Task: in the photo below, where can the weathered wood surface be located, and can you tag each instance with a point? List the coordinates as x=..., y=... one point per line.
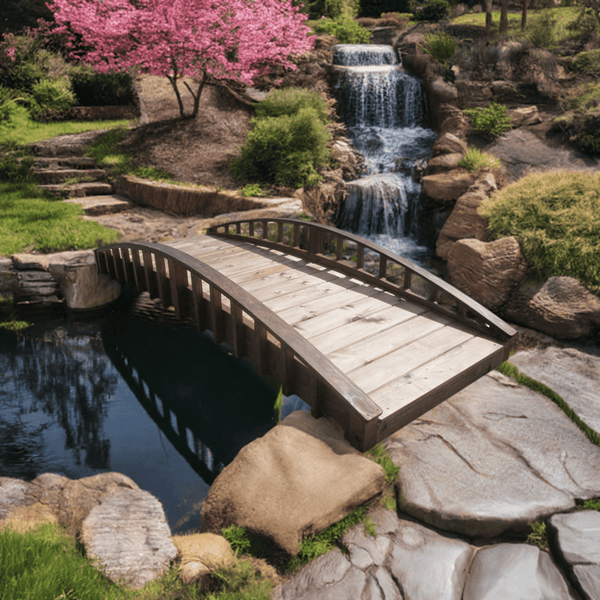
x=394, y=353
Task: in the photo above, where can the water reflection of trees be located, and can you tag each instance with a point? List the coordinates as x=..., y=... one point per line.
x=64, y=374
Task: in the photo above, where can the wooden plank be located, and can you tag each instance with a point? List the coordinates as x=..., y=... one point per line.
x=305, y=313
x=423, y=401
x=388, y=335
x=403, y=390
x=307, y=293
x=375, y=374
x=345, y=314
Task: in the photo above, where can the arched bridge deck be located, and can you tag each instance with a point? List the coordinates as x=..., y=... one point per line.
x=359, y=333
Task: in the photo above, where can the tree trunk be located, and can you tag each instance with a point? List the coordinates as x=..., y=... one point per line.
x=197, y=95
x=487, y=5
x=504, y=16
x=524, y=14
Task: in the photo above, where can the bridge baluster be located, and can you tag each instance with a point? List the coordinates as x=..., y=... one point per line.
x=128, y=267
x=101, y=262
x=360, y=256
x=164, y=287
x=339, y=247
x=237, y=328
x=138, y=270
x=150, y=273
x=296, y=235
x=280, y=232
x=382, y=266
x=287, y=369
x=260, y=336
x=198, y=304
x=116, y=260
x=179, y=289
x=265, y=230
x=407, y=279
x=251, y=228
x=216, y=314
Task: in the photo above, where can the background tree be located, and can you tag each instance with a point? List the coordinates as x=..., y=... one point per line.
x=503, y=16
x=205, y=39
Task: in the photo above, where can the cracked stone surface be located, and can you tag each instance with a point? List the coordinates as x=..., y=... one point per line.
x=493, y=458
x=580, y=390
x=577, y=539
x=408, y=561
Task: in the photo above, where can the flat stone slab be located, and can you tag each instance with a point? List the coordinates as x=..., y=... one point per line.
x=102, y=205
x=577, y=538
x=408, y=561
x=573, y=375
x=491, y=459
x=522, y=152
x=129, y=536
x=515, y=571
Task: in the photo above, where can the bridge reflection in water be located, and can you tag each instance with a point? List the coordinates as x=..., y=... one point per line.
x=207, y=403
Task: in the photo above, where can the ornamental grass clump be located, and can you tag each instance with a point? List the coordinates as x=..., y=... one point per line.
x=476, y=160
x=555, y=216
x=441, y=46
x=491, y=121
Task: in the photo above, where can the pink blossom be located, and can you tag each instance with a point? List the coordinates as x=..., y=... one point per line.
x=11, y=53
x=207, y=39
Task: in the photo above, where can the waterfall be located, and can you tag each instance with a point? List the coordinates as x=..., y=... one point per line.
x=385, y=111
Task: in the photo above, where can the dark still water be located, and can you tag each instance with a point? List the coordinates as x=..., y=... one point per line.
x=160, y=403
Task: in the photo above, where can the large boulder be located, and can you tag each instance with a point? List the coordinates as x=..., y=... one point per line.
x=526, y=115
x=129, y=537
x=449, y=143
x=561, y=307
x=55, y=498
x=464, y=222
x=445, y=187
x=322, y=201
x=491, y=459
x=487, y=271
x=298, y=479
x=443, y=163
x=454, y=121
x=200, y=554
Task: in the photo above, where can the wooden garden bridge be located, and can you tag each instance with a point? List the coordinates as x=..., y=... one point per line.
x=359, y=333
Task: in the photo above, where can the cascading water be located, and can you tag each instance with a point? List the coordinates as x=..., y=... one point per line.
x=385, y=111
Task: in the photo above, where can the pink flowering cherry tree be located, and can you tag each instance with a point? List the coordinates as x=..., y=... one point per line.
x=204, y=39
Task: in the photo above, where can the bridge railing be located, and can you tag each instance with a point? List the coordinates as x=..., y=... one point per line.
x=197, y=291
x=368, y=262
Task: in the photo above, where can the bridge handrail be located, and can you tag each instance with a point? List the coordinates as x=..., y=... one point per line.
x=464, y=308
x=123, y=262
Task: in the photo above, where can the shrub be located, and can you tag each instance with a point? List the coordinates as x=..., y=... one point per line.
x=441, y=46
x=475, y=160
x=345, y=28
x=285, y=150
x=430, y=10
x=251, y=190
x=555, y=216
x=51, y=98
x=543, y=31
x=237, y=538
x=490, y=122
x=394, y=19
x=15, y=164
x=289, y=101
x=92, y=88
x=588, y=61
x=7, y=104
x=582, y=117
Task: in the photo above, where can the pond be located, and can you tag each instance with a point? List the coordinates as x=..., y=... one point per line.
x=150, y=398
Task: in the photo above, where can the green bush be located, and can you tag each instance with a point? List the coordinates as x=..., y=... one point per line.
x=15, y=163
x=92, y=88
x=252, y=190
x=289, y=101
x=544, y=31
x=588, y=62
x=51, y=99
x=555, y=216
x=430, y=10
x=285, y=150
x=582, y=116
x=7, y=104
x=490, y=122
x=441, y=46
x=475, y=160
x=345, y=28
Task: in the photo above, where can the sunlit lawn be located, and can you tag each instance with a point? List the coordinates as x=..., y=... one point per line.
x=31, y=222
x=22, y=130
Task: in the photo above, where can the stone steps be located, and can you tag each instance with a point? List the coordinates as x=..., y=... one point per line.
x=61, y=175
x=64, y=162
x=79, y=190
x=94, y=206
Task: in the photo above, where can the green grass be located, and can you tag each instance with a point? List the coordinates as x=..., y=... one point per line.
x=32, y=222
x=22, y=130
x=591, y=505
x=508, y=369
x=106, y=152
x=538, y=536
x=564, y=17
x=381, y=456
x=555, y=216
x=476, y=160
